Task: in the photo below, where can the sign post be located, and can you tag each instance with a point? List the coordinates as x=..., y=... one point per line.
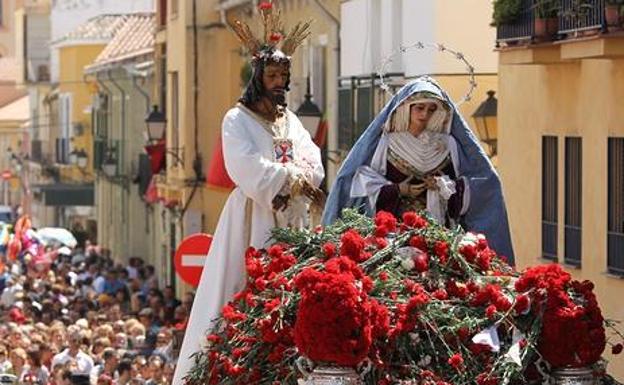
x=190, y=257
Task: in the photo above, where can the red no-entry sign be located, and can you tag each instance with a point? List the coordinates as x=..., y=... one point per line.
x=6, y=174
x=190, y=257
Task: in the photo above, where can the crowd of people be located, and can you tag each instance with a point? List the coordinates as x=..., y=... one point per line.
x=83, y=319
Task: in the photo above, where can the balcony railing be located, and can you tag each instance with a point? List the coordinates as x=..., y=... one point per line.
x=581, y=15
x=615, y=251
x=576, y=17
x=521, y=29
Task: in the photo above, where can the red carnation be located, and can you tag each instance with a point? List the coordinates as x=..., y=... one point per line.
x=617, y=349
x=265, y=5
x=352, y=245
x=440, y=249
x=384, y=223
x=419, y=242
x=421, y=262
x=329, y=249
x=440, y=294
x=333, y=322
x=275, y=37
x=522, y=304
x=456, y=361
x=272, y=305
x=413, y=220
x=490, y=312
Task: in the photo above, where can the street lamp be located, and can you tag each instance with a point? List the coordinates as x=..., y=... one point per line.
x=109, y=166
x=309, y=113
x=73, y=157
x=82, y=159
x=486, y=121
x=156, y=124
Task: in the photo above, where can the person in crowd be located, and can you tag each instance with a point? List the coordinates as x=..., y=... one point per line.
x=77, y=326
x=124, y=372
x=19, y=359
x=5, y=363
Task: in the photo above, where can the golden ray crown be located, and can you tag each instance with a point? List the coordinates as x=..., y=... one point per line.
x=273, y=35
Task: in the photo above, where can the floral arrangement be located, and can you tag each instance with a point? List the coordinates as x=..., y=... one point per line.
x=413, y=301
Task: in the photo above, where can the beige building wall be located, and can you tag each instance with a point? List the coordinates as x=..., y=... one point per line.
x=7, y=28
x=464, y=25
x=565, y=98
x=128, y=226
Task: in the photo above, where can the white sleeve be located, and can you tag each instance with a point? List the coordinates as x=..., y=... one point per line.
x=307, y=153
x=258, y=177
x=368, y=180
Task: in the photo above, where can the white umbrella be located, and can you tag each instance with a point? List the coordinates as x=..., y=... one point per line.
x=58, y=235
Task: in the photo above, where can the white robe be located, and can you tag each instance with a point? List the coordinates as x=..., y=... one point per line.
x=249, y=159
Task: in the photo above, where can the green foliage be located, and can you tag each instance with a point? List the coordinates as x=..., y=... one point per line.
x=614, y=2
x=506, y=11
x=546, y=9
x=578, y=10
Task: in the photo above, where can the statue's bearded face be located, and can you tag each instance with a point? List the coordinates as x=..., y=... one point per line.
x=275, y=81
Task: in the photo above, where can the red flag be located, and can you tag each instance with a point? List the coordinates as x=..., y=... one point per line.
x=321, y=133
x=156, y=153
x=217, y=174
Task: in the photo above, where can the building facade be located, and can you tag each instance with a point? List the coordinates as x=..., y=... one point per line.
x=561, y=146
x=128, y=224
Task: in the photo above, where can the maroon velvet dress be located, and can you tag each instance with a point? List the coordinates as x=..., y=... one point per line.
x=391, y=200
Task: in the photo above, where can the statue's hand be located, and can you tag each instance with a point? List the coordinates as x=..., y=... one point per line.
x=411, y=190
x=431, y=183
x=280, y=202
x=315, y=194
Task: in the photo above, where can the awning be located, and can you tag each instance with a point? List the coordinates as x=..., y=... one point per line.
x=62, y=194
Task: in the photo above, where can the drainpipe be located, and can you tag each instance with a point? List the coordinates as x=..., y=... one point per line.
x=137, y=87
x=122, y=158
x=123, y=116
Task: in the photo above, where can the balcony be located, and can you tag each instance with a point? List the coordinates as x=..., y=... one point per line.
x=581, y=29
x=575, y=19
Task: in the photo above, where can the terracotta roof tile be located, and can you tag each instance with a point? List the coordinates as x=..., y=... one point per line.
x=134, y=38
x=97, y=29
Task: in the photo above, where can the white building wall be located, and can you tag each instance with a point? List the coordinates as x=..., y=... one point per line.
x=66, y=15
x=373, y=29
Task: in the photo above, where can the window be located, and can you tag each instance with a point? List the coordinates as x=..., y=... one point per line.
x=573, y=201
x=549, y=197
x=345, y=123
x=615, y=231
x=356, y=109
x=101, y=116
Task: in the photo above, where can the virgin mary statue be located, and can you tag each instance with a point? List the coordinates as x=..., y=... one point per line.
x=419, y=154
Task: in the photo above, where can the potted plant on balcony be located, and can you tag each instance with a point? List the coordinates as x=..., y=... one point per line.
x=546, y=21
x=612, y=14
x=506, y=11
x=577, y=16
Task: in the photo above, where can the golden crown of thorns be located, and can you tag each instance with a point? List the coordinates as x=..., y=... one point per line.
x=273, y=32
